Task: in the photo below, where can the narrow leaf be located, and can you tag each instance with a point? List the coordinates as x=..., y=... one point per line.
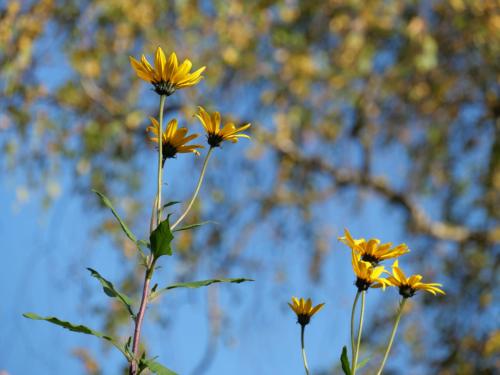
x=110, y=291
x=75, y=328
x=156, y=367
x=363, y=363
x=170, y=204
x=193, y=226
x=196, y=284
x=161, y=238
x=344, y=360
x=108, y=204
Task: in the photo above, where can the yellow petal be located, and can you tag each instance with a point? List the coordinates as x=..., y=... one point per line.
x=160, y=64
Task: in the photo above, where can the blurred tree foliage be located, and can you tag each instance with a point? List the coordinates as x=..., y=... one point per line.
x=338, y=92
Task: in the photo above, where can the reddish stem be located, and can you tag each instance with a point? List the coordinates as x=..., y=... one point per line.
x=139, y=318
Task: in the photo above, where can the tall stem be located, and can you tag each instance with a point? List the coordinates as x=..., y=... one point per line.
x=140, y=317
x=393, y=334
x=196, y=191
x=160, y=161
x=360, y=329
x=304, y=357
x=150, y=263
x=353, y=313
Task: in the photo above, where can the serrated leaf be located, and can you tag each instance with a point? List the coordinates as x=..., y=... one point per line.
x=110, y=291
x=344, y=360
x=156, y=367
x=75, y=328
x=161, y=238
x=108, y=204
x=196, y=284
x=191, y=226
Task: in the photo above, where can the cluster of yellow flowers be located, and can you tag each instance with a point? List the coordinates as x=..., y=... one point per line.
x=366, y=256
x=167, y=77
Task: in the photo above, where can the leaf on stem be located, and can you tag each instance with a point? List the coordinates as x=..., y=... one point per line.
x=155, y=367
x=191, y=226
x=196, y=284
x=108, y=204
x=344, y=360
x=110, y=291
x=161, y=238
x=363, y=363
x=76, y=328
x=168, y=204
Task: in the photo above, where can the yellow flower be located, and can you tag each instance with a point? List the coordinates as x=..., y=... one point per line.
x=174, y=139
x=372, y=251
x=167, y=76
x=409, y=285
x=366, y=274
x=304, y=309
x=216, y=135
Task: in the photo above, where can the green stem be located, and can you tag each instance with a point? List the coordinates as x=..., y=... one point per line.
x=360, y=329
x=304, y=357
x=150, y=261
x=393, y=334
x=196, y=191
x=352, y=324
x=153, y=216
x=160, y=161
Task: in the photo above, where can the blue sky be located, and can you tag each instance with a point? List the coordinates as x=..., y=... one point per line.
x=47, y=251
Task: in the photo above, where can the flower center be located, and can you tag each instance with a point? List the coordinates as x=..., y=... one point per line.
x=362, y=284
x=406, y=291
x=303, y=319
x=164, y=88
x=168, y=151
x=214, y=139
x=371, y=259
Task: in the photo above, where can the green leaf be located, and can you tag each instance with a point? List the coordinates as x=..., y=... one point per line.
x=108, y=204
x=344, y=360
x=155, y=367
x=170, y=204
x=110, y=291
x=196, y=284
x=75, y=328
x=193, y=226
x=161, y=238
x=363, y=362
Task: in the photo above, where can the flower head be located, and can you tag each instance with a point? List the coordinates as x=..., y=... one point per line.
x=409, y=285
x=367, y=275
x=173, y=139
x=167, y=76
x=304, y=309
x=216, y=135
x=372, y=251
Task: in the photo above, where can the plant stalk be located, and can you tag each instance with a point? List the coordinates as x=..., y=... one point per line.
x=353, y=313
x=360, y=328
x=160, y=161
x=150, y=263
x=196, y=191
x=393, y=334
x=304, y=357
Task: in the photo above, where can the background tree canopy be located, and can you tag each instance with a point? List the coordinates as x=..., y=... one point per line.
x=352, y=104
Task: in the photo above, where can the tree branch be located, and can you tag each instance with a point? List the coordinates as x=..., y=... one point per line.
x=419, y=220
